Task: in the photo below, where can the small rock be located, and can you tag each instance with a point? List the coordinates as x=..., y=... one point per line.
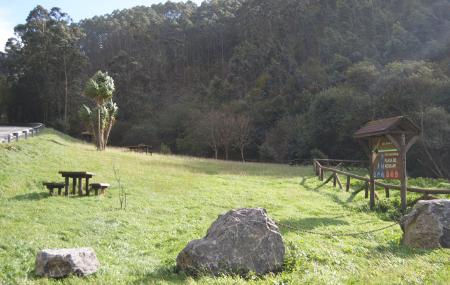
x=57, y=263
x=427, y=225
x=238, y=242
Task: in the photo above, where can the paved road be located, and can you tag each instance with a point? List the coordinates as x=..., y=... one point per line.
x=6, y=130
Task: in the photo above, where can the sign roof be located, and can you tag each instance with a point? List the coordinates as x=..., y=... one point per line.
x=399, y=124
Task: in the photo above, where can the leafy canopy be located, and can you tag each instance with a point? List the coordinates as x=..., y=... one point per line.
x=100, y=87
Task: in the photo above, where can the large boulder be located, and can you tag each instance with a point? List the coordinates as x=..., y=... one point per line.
x=427, y=225
x=240, y=241
x=57, y=263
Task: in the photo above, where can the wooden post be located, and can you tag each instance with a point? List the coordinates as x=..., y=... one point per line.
x=366, y=190
x=372, y=180
x=9, y=138
x=74, y=185
x=87, y=186
x=321, y=174
x=334, y=179
x=347, y=184
x=66, y=186
x=80, y=186
x=386, y=190
x=339, y=183
x=403, y=176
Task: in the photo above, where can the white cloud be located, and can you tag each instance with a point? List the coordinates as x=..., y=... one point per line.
x=6, y=28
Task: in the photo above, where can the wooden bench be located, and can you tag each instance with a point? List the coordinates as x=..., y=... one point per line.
x=98, y=186
x=52, y=185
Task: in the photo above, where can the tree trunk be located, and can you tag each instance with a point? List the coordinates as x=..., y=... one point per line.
x=242, y=153
x=99, y=129
x=65, y=90
x=108, y=131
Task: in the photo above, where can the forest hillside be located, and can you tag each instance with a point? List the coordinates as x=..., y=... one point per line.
x=268, y=80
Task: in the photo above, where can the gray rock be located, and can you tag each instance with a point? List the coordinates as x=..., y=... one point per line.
x=57, y=263
x=427, y=225
x=238, y=242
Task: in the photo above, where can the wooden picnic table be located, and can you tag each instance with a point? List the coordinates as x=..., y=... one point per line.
x=77, y=178
x=141, y=148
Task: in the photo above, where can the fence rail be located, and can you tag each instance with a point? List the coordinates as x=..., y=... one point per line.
x=320, y=170
x=9, y=134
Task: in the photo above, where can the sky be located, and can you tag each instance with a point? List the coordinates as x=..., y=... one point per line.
x=13, y=12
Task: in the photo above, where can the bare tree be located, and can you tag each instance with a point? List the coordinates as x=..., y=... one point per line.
x=226, y=132
x=434, y=149
x=208, y=129
x=242, y=127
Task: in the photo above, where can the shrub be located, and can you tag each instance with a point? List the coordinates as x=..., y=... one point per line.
x=165, y=149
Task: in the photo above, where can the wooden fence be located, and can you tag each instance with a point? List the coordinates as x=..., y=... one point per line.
x=320, y=170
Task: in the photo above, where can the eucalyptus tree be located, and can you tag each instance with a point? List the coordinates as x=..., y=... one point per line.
x=303, y=72
x=45, y=63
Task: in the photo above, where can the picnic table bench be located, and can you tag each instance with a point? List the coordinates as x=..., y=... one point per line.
x=77, y=178
x=98, y=186
x=143, y=148
x=52, y=185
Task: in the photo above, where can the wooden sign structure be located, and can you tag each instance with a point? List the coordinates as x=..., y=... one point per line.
x=388, y=141
x=387, y=159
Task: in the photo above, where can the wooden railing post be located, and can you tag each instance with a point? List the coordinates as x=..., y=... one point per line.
x=366, y=190
x=386, y=190
x=403, y=177
x=372, y=180
x=321, y=174
x=334, y=179
x=347, y=184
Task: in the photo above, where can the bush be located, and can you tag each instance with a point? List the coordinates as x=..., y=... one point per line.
x=165, y=149
x=318, y=154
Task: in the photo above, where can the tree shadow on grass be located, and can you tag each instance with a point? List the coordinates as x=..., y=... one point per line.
x=356, y=188
x=34, y=196
x=395, y=248
x=308, y=224
x=166, y=274
x=56, y=142
x=304, y=180
x=219, y=167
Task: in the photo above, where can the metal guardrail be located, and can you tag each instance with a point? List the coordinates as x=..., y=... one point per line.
x=20, y=131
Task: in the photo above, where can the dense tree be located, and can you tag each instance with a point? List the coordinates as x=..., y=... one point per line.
x=45, y=65
x=306, y=74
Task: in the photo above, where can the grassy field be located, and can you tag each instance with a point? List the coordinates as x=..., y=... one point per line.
x=172, y=200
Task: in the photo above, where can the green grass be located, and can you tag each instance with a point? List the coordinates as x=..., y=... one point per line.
x=172, y=200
